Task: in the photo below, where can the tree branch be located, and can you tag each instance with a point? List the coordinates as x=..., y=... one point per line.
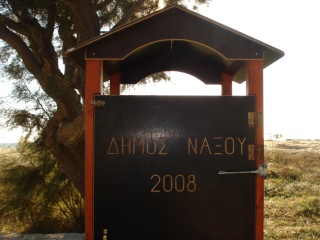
x=22, y=49
x=13, y=25
x=87, y=23
x=135, y=8
x=113, y=11
x=36, y=100
x=51, y=20
x=102, y=5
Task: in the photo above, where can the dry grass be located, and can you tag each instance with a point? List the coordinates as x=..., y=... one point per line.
x=292, y=191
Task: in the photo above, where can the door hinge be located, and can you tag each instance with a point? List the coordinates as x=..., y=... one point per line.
x=255, y=119
x=98, y=103
x=255, y=152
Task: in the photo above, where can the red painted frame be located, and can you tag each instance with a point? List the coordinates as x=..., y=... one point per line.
x=254, y=81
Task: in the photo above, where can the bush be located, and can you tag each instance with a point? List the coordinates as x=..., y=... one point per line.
x=35, y=195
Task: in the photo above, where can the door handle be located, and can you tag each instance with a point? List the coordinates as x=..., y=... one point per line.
x=261, y=171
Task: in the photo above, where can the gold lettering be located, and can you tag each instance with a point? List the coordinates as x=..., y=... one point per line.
x=126, y=145
x=154, y=146
x=241, y=144
x=205, y=144
x=161, y=139
x=226, y=145
x=141, y=143
x=113, y=145
x=154, y=189
x=193, y=146
x=218, y=145
x=176, y=183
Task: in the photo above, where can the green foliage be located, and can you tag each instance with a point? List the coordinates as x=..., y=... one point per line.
x=38, y=107
x=48, y=87
x=35, y=196
x=53, y=24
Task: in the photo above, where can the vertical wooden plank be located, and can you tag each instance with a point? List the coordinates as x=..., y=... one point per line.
x=254, y=83
x=226, y=84
x=115, y=81
x=93, y=86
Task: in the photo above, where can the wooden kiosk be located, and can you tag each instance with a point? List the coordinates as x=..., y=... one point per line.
x=174, y=39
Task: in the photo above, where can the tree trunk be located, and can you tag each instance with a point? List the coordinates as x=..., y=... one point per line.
x=29, y=27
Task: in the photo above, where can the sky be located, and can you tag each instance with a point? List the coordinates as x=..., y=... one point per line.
x=291, y=84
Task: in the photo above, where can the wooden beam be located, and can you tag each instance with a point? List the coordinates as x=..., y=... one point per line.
x=254, y=81
x=93, y=86
x=115, y=81
x=226, y=84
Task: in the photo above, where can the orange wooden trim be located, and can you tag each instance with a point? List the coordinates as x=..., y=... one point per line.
x=226, y=84
x=93, y=82
x=255, y=87
x=115, y=81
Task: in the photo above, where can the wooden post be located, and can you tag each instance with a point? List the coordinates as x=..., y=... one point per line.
x=93, y=86
x=115, y=81
x=254, y=83
x=226, y=84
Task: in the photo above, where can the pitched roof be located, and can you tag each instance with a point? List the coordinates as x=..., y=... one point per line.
x=175, y=39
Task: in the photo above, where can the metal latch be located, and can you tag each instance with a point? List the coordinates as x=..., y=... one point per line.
x=261, y=171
